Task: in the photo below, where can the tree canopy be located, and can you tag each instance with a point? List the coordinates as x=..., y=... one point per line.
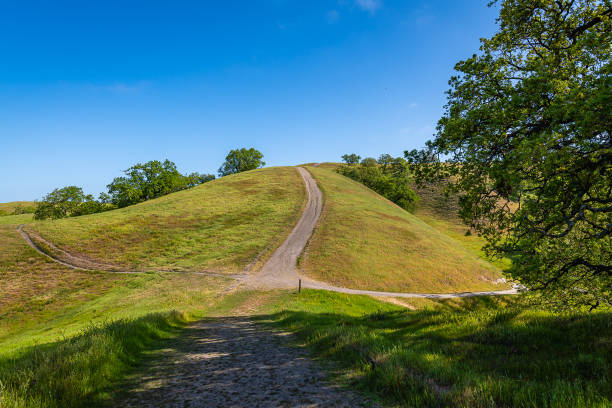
x=391, y=180
x=526, y=140
x=351, y=158
x=239, y=160
x=64, y=202
x=141, y=182
x=151, y=180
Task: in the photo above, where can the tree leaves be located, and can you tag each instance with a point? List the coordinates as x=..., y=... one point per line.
x=527, y=138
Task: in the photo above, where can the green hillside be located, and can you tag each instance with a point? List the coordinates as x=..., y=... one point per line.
x=10, y=207
x=364, y=241
x=70, y=337
x=223, y=225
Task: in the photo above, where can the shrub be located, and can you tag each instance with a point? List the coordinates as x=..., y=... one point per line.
x=390, y=180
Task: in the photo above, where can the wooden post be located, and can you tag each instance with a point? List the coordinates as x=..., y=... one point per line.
x=300, y=286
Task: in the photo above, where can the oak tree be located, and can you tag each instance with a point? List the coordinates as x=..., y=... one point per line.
x=526, y=140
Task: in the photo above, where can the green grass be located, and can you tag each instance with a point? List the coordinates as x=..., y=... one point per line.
x=66, y=336
x=471, y=353
x=442, y=213
x=42, y=301
x=16, y=219
x=222, y=225
x=33, y=287
x=9, y=208
x=364, y=241
x=82, y=369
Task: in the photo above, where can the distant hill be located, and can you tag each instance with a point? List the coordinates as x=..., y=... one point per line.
x=10, y=207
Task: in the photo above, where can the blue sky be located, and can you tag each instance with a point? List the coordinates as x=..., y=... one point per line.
x=89, y=88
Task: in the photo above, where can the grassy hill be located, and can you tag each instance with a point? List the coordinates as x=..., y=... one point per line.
x=223, y=225
x=69, y=337
x=364, y=241
x=9, y=208
x=441, y=213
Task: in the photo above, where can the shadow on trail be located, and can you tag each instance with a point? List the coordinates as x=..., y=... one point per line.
x=499, y=356
x=496, y=356
x=232, y=362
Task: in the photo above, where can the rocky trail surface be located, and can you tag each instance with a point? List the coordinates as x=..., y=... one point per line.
x=233, y=362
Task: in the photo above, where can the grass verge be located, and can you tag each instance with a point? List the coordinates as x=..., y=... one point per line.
x=80, y=370
x=463, y=353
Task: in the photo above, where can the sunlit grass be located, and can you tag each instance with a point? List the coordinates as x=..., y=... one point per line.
x=364, y=241
x=485, y=352
x=221, y=225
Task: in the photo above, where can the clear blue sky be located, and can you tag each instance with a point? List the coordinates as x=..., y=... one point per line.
x=88, y=88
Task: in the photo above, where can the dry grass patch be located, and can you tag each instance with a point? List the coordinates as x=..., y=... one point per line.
x=364, y=241
x=442, y=213
x=33, y=287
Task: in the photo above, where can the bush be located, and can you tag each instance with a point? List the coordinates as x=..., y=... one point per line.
x=389, y=180
x=150, y=180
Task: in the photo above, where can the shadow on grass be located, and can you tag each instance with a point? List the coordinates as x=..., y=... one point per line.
x=466, y=356
x=478, y=355
x=79, y=371
x=229, y=361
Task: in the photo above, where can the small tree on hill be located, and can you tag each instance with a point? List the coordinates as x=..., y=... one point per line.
x=61, y=202
x=351, y=158
x=385, y=161
x=239, y=160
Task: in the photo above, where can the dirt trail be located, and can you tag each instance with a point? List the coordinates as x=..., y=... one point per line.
x=233, y=362
x=280, y=270
x=83, y=264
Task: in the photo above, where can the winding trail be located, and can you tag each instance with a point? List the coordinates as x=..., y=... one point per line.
x=280, y=270
x=79, y=263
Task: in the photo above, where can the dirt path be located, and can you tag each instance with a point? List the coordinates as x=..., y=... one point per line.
x=233, y=362
x=82, y=264
x=280, y=270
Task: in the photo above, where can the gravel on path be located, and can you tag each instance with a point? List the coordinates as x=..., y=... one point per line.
x=233, y=362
